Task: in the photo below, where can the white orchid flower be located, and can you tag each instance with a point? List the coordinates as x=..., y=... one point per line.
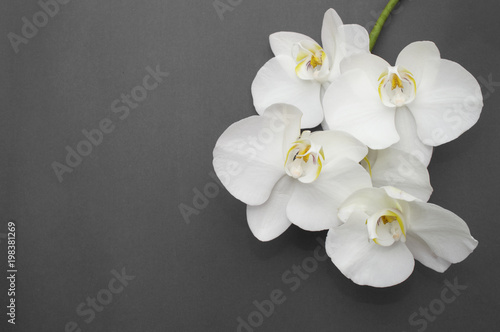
x=287, y=177
x=386, y=229
x=300, y=67
x=396, y=168
x=443, y=98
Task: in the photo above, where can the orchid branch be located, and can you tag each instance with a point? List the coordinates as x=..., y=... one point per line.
x=380, y=22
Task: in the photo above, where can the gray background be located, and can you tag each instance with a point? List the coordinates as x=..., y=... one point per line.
x=120, y=207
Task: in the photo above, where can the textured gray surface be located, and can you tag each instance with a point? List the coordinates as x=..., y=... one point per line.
x=118, y=208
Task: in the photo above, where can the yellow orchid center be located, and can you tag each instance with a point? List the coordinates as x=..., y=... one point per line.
x=311, y=60
x=317, y=59
x=304, y=159
x=396, y=87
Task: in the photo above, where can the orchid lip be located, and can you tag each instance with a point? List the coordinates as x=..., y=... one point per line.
x=311, y=60
x=397, y=87
x=304, y=159
x=386, y=227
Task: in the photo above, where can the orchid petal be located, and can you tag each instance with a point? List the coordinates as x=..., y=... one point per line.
x=371, y=65
x=409, y=141
x=351, y=104
x=269, y=220
x=402, y=196
x=282, y=42
x=392, y=167
x=339, y=145
x=313, y=206
x=446, y=234
x=277, y=82
x=368, y=201
x=329, y=33
x=419, y=58
x=365, y=262
x=248, y=157
x=447, y=105
x=351, y=39
x=423, y=253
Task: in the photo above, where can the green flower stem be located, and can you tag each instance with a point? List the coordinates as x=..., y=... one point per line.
x=380, y=22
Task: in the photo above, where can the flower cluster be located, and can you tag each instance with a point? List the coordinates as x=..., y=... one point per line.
x=364, y=177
